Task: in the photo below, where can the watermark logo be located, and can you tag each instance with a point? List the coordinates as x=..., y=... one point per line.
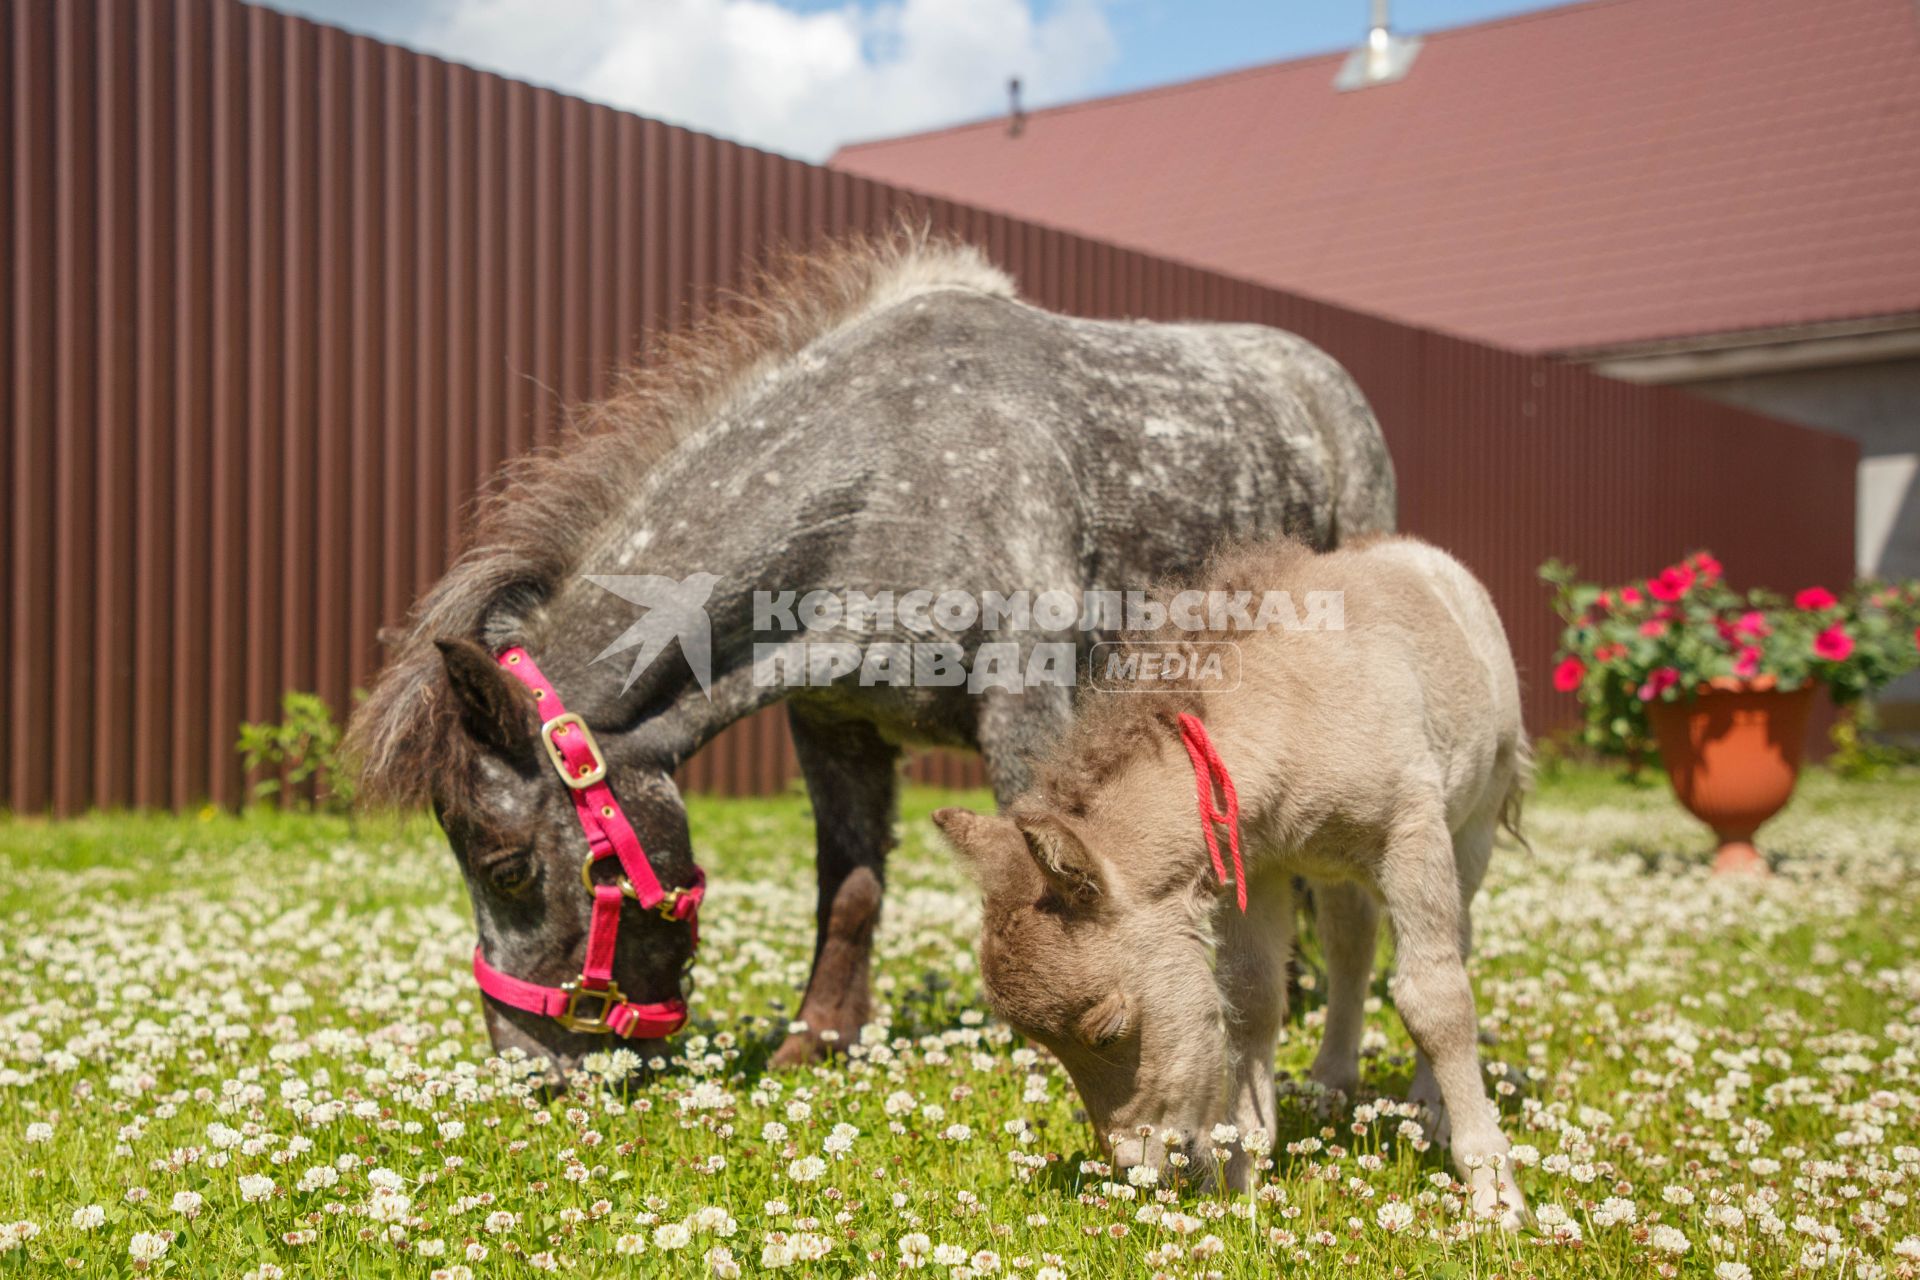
x=966, y=640
x=675, y=610
x=1205, y=666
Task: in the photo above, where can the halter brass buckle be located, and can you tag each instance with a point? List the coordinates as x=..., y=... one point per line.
x=609, y=997
x=563, y=724
x=669, y=906
x=586, y=878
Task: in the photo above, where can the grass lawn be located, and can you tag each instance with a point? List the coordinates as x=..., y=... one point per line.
x=250, y=1046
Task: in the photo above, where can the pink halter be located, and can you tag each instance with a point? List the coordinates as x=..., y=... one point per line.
x=592, y=1003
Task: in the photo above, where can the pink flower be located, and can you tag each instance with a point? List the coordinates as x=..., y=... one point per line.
x=1653, y=627
x=1566, y=676
x=1658, y=683
x=1753, y=623
x=1833, y=644
x=1630, y=595
x=1671, y=584
x=1747, y=663
x=1815, y=598
x=1709, y=567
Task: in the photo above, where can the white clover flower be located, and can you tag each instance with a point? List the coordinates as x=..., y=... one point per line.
x=949, y=1255
x=985, y=1262
x=914, y=1248
x=1669, y=1239
x=148, y=1246
x=318, y=1177
x=39, y=1131
x=385, y=1180
x=956, y=1133
x=1616, y=1211
x=500, y=1220
x=187, y=1203
x=88, y=1216
x=388, y=1206
x=807, y=1169
x=1395, y=1215
x=672, y=1235
x=630, y=1245
x=773, y=1131
x=713, y=1221
x=256, y=1187
x=1732, y=1271
x=430, y=1248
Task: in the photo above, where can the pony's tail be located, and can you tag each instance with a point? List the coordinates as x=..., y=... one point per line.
x=1514, y=801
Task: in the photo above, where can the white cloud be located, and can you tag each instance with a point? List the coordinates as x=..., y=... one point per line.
x=796, y=82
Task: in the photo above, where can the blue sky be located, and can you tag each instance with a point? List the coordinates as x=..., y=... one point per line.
x=803, y=76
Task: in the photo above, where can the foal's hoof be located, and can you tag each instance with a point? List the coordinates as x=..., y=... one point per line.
x=1498, y=1196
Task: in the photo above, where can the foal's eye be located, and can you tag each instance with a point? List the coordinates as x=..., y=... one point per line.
x=514, y=873
x=1105, y=1022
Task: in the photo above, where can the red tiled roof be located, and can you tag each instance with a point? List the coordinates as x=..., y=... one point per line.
x=1606, y=173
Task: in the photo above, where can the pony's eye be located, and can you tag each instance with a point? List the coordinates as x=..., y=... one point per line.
x=514, y=873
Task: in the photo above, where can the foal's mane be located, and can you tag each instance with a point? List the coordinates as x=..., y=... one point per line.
x=1113, y=727
x=541, y=511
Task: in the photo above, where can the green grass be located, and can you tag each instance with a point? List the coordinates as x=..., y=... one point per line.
x=187, y=1002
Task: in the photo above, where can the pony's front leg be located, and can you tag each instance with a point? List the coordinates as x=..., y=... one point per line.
x=850, y=777
x=1253, y=952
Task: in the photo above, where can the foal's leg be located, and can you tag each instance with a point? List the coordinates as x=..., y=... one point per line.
x=1472, y=850
x=850, y=777
x=1347, y=920
x=1251, y=972
x=1419, y=881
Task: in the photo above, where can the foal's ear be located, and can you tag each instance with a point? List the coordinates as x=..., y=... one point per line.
x=970, y=835
x=495, y=708
x=1062, y=856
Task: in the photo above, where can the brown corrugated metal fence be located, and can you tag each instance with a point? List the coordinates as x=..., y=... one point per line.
x=279, y=298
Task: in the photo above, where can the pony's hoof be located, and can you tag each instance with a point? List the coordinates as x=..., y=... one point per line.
x=799, y=1049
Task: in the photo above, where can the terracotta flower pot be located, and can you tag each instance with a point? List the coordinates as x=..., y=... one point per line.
x=1733, y=752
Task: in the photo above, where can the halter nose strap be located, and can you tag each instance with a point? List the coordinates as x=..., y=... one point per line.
x=594, y=1003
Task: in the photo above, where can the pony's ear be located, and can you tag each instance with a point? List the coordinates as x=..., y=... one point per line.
x=494, y=707
x=1056, y=847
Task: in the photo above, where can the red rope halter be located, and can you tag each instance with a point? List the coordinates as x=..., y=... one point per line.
x=1209, y=769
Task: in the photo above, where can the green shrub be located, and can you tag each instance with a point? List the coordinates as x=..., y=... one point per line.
x=302, y=747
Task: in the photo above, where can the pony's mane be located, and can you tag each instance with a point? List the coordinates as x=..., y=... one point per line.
x=539, y=515
x=1113, y=727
